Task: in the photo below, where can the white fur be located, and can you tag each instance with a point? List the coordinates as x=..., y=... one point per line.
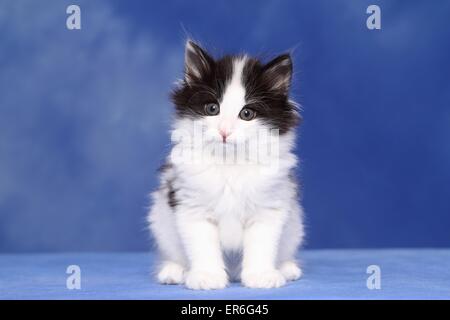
x=228, y=208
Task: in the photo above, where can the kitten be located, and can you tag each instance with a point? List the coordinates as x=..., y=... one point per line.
x=208, y=210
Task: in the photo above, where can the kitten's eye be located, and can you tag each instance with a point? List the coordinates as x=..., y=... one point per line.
x=212, y=109
x=247, y=114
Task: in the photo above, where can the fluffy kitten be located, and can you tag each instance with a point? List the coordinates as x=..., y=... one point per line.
x=216, y=221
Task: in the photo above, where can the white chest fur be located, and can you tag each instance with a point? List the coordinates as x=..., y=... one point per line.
x=232, y=196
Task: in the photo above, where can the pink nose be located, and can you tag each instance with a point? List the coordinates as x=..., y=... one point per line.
x=224, y=135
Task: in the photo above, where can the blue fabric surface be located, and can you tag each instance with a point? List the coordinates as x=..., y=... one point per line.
x=328, y=274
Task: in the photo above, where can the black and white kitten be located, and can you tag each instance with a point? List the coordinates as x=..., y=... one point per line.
x=207, y=208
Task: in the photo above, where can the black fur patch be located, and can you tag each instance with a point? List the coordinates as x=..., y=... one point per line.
x=171, y=195
x=190, y=99
x=171, y=192
x=267, y=88
x=271, y=104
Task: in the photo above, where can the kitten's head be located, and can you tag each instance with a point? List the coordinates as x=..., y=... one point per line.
x=235, y=96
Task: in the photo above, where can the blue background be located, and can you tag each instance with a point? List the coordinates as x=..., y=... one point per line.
x=84, y=115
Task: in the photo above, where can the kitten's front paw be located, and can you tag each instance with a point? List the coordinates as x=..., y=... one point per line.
x=290, y=270
x=262, y=279
x=206, y=280
x=171, y=273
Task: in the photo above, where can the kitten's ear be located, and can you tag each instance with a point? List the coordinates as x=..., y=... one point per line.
x=197, y=62
x=278, y=73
